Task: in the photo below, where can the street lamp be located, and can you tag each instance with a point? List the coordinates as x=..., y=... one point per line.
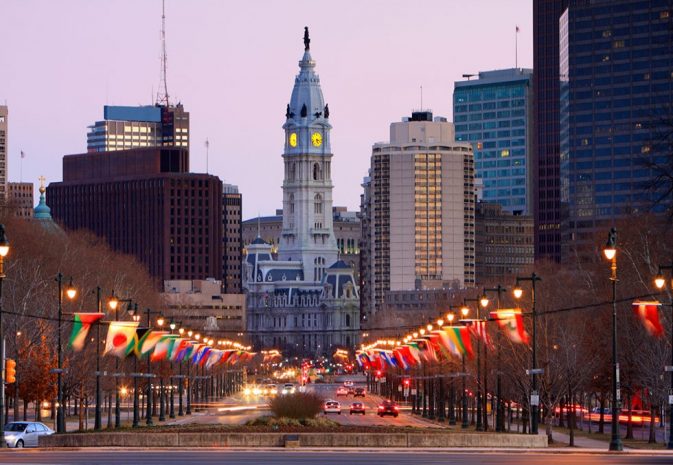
x=162, y=400
x=534, y=401
x=610, y=252
x=133, y=311
x=188, y=410
x=500, y=406
x=171, y=411
x=4, y=250
x=464, y=311
x=660, y=282
x=148, y=415
x=181, y=412
x=70, y=292
x=482, y=420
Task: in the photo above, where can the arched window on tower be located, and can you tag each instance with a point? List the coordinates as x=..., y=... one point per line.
x=291, y=203
x=317, y=172
x=318, y=203
x=293, y=171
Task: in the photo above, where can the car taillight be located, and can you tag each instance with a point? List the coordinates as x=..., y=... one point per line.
x=380, y=407
x=396, y=408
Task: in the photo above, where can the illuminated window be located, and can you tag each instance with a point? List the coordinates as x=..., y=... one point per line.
x=618, y=44
x=664, y=15
x=504, y=153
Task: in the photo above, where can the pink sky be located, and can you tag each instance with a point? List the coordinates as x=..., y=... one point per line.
x=232, y=64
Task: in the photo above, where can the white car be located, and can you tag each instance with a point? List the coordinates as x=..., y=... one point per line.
x=348, y=384
x=288, y=388
x=332, y=406
x=25, y=433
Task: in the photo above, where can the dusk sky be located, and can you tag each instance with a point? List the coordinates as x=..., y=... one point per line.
x=232, y=64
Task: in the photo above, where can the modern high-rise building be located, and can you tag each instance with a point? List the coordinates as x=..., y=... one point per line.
x=616, y=101
x=4, y=152
x=306, y=301
x=145, y=203
x=503, y=243
x=232, y=239
x=546, y=152
x=124, y=128
x=420, y=210
x=495, y=114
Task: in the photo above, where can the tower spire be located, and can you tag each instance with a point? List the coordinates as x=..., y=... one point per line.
x=162, y=95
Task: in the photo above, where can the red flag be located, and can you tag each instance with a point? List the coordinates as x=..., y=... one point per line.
x=648, y=312
x=511, y=321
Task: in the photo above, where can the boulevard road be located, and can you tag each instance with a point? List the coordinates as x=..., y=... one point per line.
x=283, y=457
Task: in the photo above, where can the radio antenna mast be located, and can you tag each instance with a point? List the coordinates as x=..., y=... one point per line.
x=162, y=94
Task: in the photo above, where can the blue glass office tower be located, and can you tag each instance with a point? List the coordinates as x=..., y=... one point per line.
x=494, y=113
x=616, y=70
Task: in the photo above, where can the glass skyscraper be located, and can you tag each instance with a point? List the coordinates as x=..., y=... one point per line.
x=616, y=73
x=493, y=113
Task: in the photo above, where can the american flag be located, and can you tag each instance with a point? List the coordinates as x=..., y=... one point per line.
x=478, y=328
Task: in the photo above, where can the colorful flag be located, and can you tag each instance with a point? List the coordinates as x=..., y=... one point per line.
x=460, y=337
x=478, y=328
x=147, y=341
x=163, y=347
x=121, y=338
x=80, y=328
x=648, y=312
x=511, y=321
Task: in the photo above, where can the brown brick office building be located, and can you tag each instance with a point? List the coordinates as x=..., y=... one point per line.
x=144, y=202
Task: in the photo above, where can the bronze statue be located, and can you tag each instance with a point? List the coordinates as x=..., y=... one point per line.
x=307, y=41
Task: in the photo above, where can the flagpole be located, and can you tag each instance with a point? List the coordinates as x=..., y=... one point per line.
x=516, y=47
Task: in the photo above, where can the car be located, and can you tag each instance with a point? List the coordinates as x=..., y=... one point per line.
x=21, y=434
x=271, y=390
x=332, y=406
x=388, y=407
x=357, y=407
x=288, y=388
x=341, y=391
x=359, y=392
x=348, y=383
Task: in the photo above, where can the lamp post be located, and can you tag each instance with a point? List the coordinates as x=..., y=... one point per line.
x=148, y=421
x=133, y=311
x=660, y=282
x=534, y=401
x=181, y=331
x=71, y=292
x=113, y=303
x=482, y=424
x=97, y=415
x=171, y=412
x=188, y=411
x=610, y=252
x=4, y=250
x=162, y=399
x=499, y=410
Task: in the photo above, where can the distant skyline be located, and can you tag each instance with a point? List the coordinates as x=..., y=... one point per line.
x=232, y=65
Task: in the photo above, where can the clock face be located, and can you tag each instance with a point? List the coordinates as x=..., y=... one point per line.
x=316, y=138
x=293, y=139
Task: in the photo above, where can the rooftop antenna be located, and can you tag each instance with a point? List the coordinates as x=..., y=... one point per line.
x=207, y=149
x=516, y=47
x=162, y=94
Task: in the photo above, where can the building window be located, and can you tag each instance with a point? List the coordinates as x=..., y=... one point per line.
x=318, y=204
x=317, y=172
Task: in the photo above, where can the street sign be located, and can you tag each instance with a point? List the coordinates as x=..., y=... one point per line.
x=670, y=399
x=406, y=392
x=619, y=394
x=399, y=388
x=535, y=371
x=668, y=368
x=535, y=399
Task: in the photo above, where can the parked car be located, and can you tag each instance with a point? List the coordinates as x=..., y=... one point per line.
x=359, y=392
x=341, y=391
x=388, y=407
x=25, y=433
x=332, y=406
x=357, y=407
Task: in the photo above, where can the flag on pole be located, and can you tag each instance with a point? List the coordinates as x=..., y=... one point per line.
x=80, y=329
x=460, y=337
x=147, y=341
x=121, y=338
x=163, y=347
x=478, y=328
x=511, y=321
x=648, y=312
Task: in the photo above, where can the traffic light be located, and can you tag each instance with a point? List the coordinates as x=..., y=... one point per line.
x=10, y=371
x=378, y=373
x=407, y=382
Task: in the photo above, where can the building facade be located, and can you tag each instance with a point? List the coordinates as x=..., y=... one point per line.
x=546, y=160
x=20, y=198
x=232, y=239
x=306, y=301
x=145, y=203
x=202, y=306
x=346, y=225
x=495, y=114
x=504, y=243
x=124, y=128
x=4, y=151
x=419, y=208
x=616, y=100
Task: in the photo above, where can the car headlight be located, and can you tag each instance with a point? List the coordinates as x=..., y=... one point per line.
x=246, y=391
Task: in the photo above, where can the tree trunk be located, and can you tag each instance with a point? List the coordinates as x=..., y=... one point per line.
x=561, y=423
x=25, y=409
x=80, y=401
x=653, y=436
x=629, y=423
x=601, y=420
x=571, y=419
x=548, y=430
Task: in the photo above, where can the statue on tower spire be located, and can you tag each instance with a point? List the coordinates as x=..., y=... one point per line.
x=307, y=41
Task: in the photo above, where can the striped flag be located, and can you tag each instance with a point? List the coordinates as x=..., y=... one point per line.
x=80, y=329
x=478, y=328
